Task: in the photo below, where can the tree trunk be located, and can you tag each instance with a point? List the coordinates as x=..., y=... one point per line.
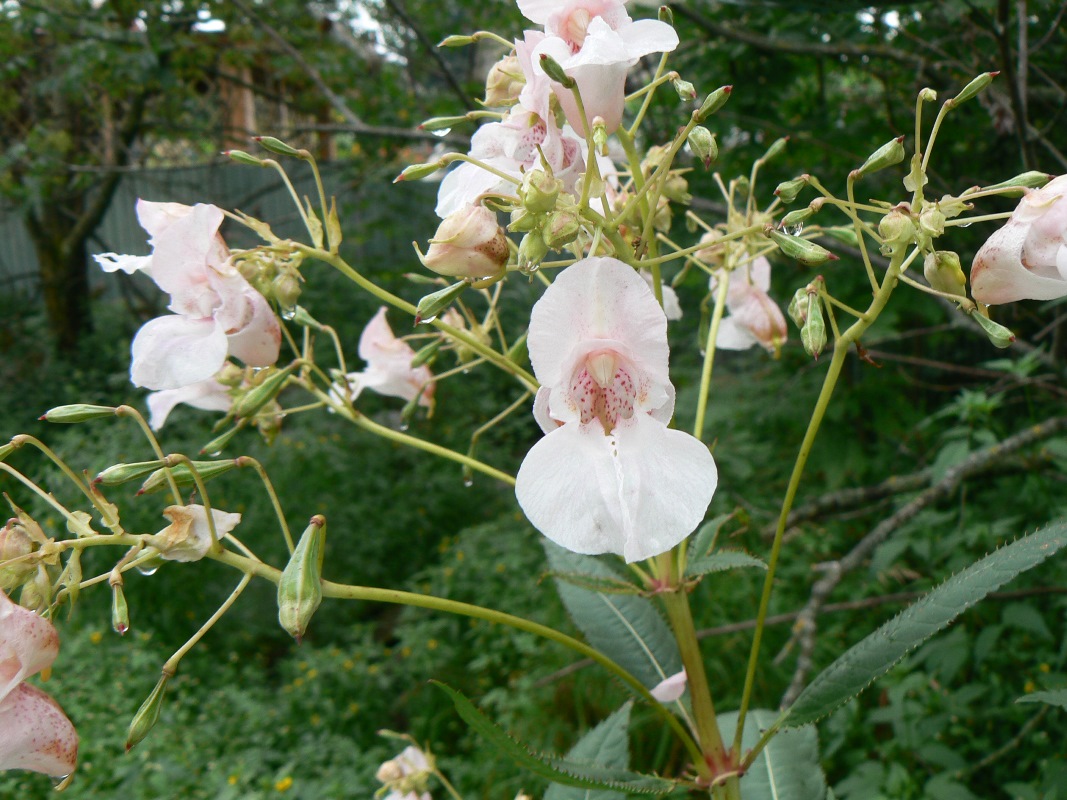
x=64, y=271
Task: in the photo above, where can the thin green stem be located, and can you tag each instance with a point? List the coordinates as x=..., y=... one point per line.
x=648, y=96
x=850, y=189
x=130, y=411
x=171, y=665
x=709, y=355
x=270, y=162
x=243, y=461
x=71, y=475
x=963, y=222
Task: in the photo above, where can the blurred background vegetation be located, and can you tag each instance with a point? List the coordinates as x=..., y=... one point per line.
x=100, y=100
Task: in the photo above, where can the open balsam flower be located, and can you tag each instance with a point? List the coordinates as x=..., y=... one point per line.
x=609, y=476
x=35, y=734
x=1027, y=258
x=216, y=311
x=389, y=371
x=754, y=318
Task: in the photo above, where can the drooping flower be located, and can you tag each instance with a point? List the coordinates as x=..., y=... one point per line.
x=1027, y=258
x=35, y=734
x=216, y=311
x=754, y=318
x=596, y=43
x=188, y=537
x=609, y=476
x=389, y=369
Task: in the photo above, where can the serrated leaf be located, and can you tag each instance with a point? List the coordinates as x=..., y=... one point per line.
x=627, y=629
x=721, y=561
x=704, y=539
x=852, y=672
x=596, y=583
x=559, y=770
x=787, y=768
x=1056, y=697
x=608, y=744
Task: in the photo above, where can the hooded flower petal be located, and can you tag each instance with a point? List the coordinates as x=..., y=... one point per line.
x=1027, y=258
x=671, y=688
x=36, y=733
x=610, y=477
x=188, y=537
x=172, y=351
x=209, y=395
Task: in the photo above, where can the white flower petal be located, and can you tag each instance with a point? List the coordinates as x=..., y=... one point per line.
x=733, y=336
x=28, y=644
x=671, y=688
x=172, y=351
x=113, y=262
x=209, y=395
x=36, y=733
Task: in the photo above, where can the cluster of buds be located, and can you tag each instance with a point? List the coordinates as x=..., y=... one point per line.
x=805, y=309
x=274, y=272
x=546, y=216
x=25, y=555
x=255, y=396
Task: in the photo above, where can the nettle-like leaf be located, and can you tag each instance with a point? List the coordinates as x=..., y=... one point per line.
x=627, y=629
x=858, y=667
x=608, y=744
x=720, y=561
x=596, y=583
x=787, y=768
x=567, y=771
x=1055, y=697
x=704, y=539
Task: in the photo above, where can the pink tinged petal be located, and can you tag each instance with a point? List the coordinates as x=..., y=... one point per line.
x=761, y=318
x=113, y=262
x=670, y=689
x=389, y=371
x=647, y=36
x=171, y=352
x=464, y=185
x=998, y=274
x=28, y=644
x=209, y=395
x=733, y=336
x=185, y=257
x=258, y=342
x=36, y=734
x=155, y=218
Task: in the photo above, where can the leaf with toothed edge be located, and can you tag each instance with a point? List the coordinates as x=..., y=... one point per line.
x=858, y=667
x=608, y=744
x=787, y=768
x=720, y=561
x=584, y=775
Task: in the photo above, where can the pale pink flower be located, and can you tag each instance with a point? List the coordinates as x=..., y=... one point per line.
x=216, y=311
x=511, y=147
x=389, y=369
x=754, y=318
x=406, y=775
x=671, y=307
x=35, y=734
x=209, y=395
x=188, y=537
x=469, y=243
x=1027, y=258
x=609, y=476
x=671, y=688
x=596, y=43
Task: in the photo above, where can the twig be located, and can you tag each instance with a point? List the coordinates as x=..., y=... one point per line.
x=1010, y=745
x=805, y=628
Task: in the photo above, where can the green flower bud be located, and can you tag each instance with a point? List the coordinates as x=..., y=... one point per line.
x=302, y=317
x=798, y=307
x=286, y=289
x=666, y=15
x=890, y=153
x=147, y=715
x=122, y=473
x=806, y=252
x=931, y=221
x=686, y=90
x=775, y=149
x=973, y=88
x=944, y=273
x=600, y=142
x=8, y=449
x=813, y=332
x=425, y=355
x=120, y=612
x=999, y=335
x=456, y=41
x=241, y=157
x=214, y=447
x=702, y=143
x=523, y=221
x=798, y=217
x=14, y=543
x=504, y=82
x=539, y=191
x=532, y=249
x=676, y=189
x=846, y=234
x=441, y=123
x=432, y=305
x=560, y=229
x=183, y=475
x=787, y=191
x=928, y=95
x=712, y=103
x=78, y=412
x=300, y=587
x=418, y=171
x=258, y=396
x=277, y=146
x=897, y=230
x=37, y=593
x=554, y=71
x=1027, y=180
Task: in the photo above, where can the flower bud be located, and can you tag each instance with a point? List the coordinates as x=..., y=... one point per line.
x=532, y=249
x=600, y=141
x=710, y=253
x=14, y=543
x=798, y=217
x=686, y=90
x=147, y=715
x=999, y=335
x=241, y=157
x=182, y=475
x=846, y=234
x=277, y=146
x=539, y=191
x=425, y=355
x=973, y=88
x=561, y=229
x=798, y=307
x=214, y=447
x=931, y=221
x=286, y=289
x=468, y=244
x=890, y=153
x=120, y=612
x=456, y=40
x=1027, y=180
x=666, y=15
x=432, y=305
x=37, y=592
x=300, y=587
x=702, y=143
x=787, y=191
x=441, y=123
x=713, y=103
x=676, y=189
x=802, y=250
x=78, y=412
x=389, y=772
x=813, y=332
x=896, y=229
x=928, y=95
x=418, y=171
x=944, y=273
x=554, y=71
x=258, y=396
x=504, y=82
x=777, y=146
x=122, y=473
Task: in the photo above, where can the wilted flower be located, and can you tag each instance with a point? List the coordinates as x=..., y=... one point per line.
x=596, y=43
x=216, y=311
x=35, y=734
x=188, y=537
x=504, y=82
x=468, y=244
x=609, y=476
x=389, y=369
x=1027, y=258
x=754, y=318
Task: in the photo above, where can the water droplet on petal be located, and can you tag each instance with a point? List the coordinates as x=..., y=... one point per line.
x=149, y=570
x=965, y=225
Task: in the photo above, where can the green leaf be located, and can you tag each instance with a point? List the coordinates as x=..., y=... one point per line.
x=1056, y=697
x=704, y=539
x=787, y=768
x=721, y=561
x=851, y=673
x=608, y=744
x=597, y=583
x=627, y=629
x=583, y=775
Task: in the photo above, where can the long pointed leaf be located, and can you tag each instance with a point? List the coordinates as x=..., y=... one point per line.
x=559, y=770
x=608, y=744
x=874, y=656
x=787, y=768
